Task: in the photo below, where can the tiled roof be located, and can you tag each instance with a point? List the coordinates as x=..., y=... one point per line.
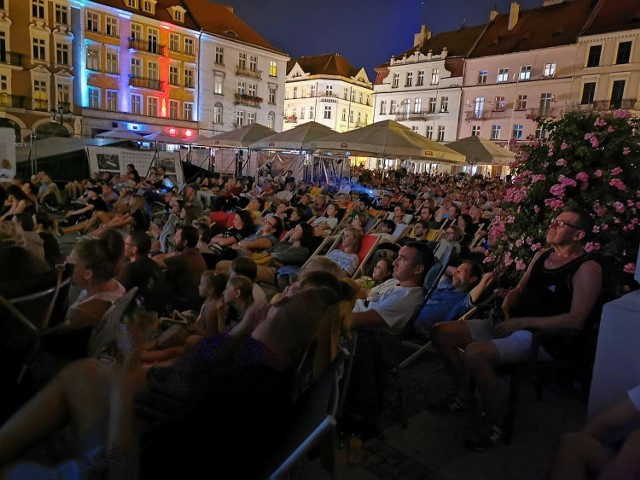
x=327, y=64
x=614, y=15
x=544, y=27
x=202, y=14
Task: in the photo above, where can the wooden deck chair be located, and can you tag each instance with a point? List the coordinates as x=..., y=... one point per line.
x=326, y=243
x=435, y=234
x=367, y=248
x=315, y=191
x=400, y=231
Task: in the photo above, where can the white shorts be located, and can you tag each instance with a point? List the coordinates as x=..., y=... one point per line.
x=512, y=349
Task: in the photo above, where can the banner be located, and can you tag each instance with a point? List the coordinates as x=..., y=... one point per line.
x=278, y=164
x=7, y=154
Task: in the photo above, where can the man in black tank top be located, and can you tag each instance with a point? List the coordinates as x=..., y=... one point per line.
x=558, y=290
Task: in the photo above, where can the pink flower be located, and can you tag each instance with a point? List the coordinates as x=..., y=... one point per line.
x=618, y=206
x=599, y=122
x=587, y=136
x=621, y=114
x=611, y=129
x=594, y=141
x=551, y=152
x=596, y=229
x=592, y=247
x=605, y=227
x=529, y=240
x=561, y=162
x=597, y=173
x=554, y=203
x=536, y=208
x=519, y=242
x=557, y=190
x=626, y=151
x=616, y=171
x=630, y=203
x=617, y=183
x=629, y=268
x=582, y=176
x=536, y=246
x=520, y=265
x=564, y=145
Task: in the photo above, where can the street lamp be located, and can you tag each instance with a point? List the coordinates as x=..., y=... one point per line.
x=61, y=114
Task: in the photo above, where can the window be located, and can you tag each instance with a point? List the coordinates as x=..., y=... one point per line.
x=440, y=133
x=217, y=113
x=383, y=107
x=242, y=61
x=136, y=67
x=173, y=108
x=220, y=55
x=187, y=111
x=328, y=90
x=153, y=71
x=313, y=90
x=545, y=104
x=271, y=120
x=503, y=75
x=62, y=54
x=588, y=93
x=414, y=128
x=295, y=92
x=4, y=83
x=132, y=3
x=593, y=59
x=273, y=69
x=111, y=27
x=482, y=76
x=345, y=93
x=94, y=98
x=189, y=78
x=417, y=105
x=420, y=81
x=521, y=102
x=435, y=76
x=624, y=52
x=432, y=105
x=93, y=58
x=239, y=118
x=312, y=112
x=540, y=132
x=327, y=112
x=518, y=130
x=444, y=104
x=40, y=101
x=177, y=15
x=136, y=104
x=272, y=95
x=251, y=118
x=174, y=42
x=495, y=132
x=343, y=116
x=113, y=62
x=112, y=100
x=393, y=107
x=478, y=107
x=39, y=49
x=409, y=79
x=253, y=90
x=525, y=72
x=549, y=70
x=350, y=116
x=62, y=14
x=152, y=40
x=93, y=22
x=37, y=9
x=135, y=32
x=242, y=88
x=152, y=106
x=617, y=94
x=189, y=46
x=302, y=112
x=148, y=6
x=396, y=80
x=406, y=104
x=218, y=80
x=500, y=104
x=253, y=63
x=174, y=74
x=475, y=131
x=429, y=133
x=63, y=94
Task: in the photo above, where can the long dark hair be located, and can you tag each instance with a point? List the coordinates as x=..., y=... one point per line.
x=248, y=227
x=306, y=240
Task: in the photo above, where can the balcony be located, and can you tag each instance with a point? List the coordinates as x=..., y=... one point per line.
x=11, y=58
x=11, y=101
x=423, y=115
x=146, y=46
x=40, y=104
x=249, y=73
x=247, y=100
x=151, y=83
x=624, y=104
x=476, y=115
x=539, y=113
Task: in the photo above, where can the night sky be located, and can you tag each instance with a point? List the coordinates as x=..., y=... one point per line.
x=365, y=32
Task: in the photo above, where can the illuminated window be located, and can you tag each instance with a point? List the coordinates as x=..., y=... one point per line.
x=435, y=76
x=503, y=75
x=220, y=55
x=525, y=72
x=39, y=50
x=136, y=104
x=273, y=69
x=62, y=54
x=518, y=131
x=174, y=42
x=500, y=104
x=417, y=105
x=62, y=14
x=482, y=76
x=549, y=70
x=93, y=58
x=112, y=100
x=444, y=104
x=93, y=22
x=218, y=80
x=420, y=81
x=173, y=108
x=94, y=98
x=217, y=113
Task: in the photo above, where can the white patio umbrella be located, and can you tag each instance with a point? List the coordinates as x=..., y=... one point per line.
x=481, y=151
x=298, y=138
x=121, y=134
x=241, y=137
x=162, y=137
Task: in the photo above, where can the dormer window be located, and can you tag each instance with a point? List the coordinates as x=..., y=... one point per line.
x=177, y=13
x=131, y=3
x=149, y=6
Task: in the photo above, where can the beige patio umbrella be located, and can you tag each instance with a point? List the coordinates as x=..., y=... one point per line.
x=122, y=134
x=241, y=137
x=481, y=151
x=388, y=139
x=298, y=138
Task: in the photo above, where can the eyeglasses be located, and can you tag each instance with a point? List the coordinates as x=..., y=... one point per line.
x=562, y=223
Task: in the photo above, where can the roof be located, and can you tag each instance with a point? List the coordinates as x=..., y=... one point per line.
x=538, y=28
x=614, y=15
x=457, y=42
x=326, y=64
x=202, y=14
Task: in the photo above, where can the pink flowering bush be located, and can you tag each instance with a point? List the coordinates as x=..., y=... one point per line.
x=589, y=160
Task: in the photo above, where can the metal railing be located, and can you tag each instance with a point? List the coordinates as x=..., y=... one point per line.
x=151, y=83
x=249, y=73
x=146, y=46
x=11, y=101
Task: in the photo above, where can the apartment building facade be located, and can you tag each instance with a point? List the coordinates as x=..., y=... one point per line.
x=327, y=89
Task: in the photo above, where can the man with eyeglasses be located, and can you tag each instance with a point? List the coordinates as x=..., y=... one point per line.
x=558, y=290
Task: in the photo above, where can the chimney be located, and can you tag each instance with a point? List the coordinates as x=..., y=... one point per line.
x=422, y=36
x=513, y=15
x=229, y=7
x=493, y=13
